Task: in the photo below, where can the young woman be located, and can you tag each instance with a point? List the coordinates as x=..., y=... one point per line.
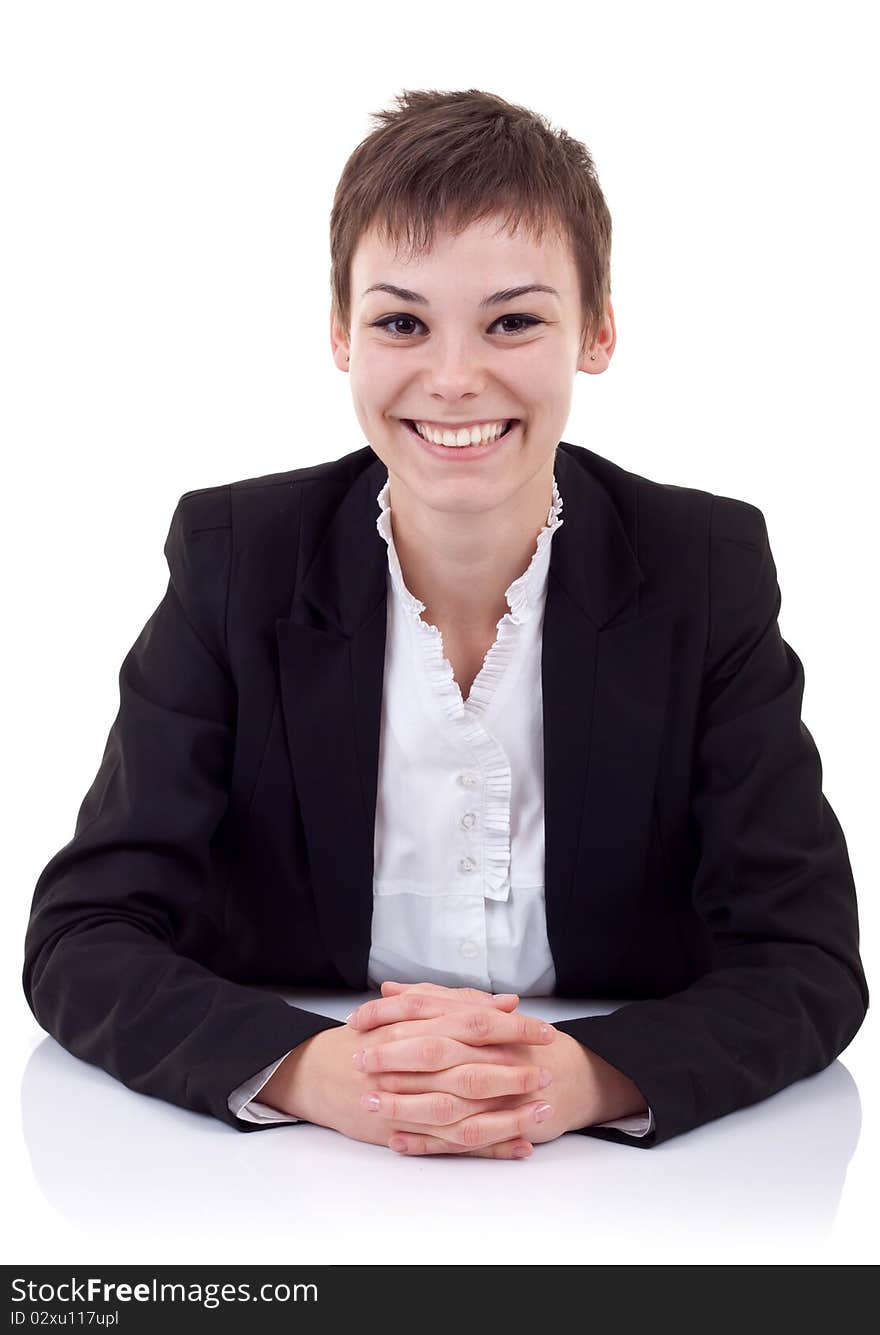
x=399, y=723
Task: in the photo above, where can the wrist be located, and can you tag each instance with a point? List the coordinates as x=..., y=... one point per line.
x=602, y=1092
x=288, y=1085
x=616, y=1095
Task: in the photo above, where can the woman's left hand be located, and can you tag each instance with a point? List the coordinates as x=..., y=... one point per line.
x=473, y=1119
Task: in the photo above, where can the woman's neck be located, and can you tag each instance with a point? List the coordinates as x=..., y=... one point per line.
x=461, y=565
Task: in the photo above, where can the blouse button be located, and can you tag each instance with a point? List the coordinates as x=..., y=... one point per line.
x=467, y=864
x=469, y=949
x=467, y=820
x=468, y=779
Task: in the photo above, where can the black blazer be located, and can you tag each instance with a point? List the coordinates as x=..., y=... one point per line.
x=692, y=861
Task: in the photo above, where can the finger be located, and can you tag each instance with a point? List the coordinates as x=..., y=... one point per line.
x=402, y=1006
x=434, y=1108
x=477, y=1025
x=503, y=1102
x=491, y=1128
x=474, y=1080
x=410, y=1143
x=467, y=995
x=508, y=1149
x=410, y=1005
x=433, y=1052
x=461, y=995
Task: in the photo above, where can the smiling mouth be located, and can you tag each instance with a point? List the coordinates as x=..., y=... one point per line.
x=410, y=423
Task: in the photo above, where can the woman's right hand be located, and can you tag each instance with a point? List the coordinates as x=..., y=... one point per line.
x=318, y=1083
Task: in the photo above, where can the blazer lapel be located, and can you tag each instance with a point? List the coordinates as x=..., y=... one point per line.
x=604, y=677
x=332, y=664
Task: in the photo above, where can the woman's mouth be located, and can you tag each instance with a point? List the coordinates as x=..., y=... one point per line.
x=463, y=453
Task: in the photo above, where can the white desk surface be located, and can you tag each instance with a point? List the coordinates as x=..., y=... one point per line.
x=103, y=1174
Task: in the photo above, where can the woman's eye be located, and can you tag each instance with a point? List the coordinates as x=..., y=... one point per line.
x=526, y=321
x=397, y=319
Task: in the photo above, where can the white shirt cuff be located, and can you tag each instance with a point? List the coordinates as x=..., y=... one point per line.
x=639, y=1124
x=242, y=1101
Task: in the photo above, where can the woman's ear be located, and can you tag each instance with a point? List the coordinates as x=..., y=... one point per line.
x=339, y=343
x=596, y=357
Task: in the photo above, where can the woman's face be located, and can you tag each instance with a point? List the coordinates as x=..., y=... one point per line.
x=439, y=354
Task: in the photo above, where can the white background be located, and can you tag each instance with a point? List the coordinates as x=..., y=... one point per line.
x=168, y=171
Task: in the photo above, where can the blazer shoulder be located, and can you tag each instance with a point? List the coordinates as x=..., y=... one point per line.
x=670, y=507
x=725, y=516
x=723, y=519
x=260, y=498
x=203, y=508
x=722, y=540
x=738, y=521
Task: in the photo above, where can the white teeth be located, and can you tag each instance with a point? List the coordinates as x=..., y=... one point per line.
x=475, y=435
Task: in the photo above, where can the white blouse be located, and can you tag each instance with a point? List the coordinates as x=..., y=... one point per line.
x=458, y=866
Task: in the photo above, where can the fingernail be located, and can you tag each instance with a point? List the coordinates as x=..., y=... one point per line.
x=544, y=1030
x=348, y=1016
x=359, y=1059
x=371, y=1101
x=544, y=1078
x=542, y=1112
x=505, y=996
x=522, y=1151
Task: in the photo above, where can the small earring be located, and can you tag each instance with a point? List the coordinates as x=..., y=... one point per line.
x=592, y=356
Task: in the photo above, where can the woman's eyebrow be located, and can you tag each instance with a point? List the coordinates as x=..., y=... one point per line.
x=506, y=294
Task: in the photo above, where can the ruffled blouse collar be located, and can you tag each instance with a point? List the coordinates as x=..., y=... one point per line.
x=523, y=595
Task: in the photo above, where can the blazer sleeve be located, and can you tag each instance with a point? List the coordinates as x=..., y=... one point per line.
x=106, y=970
x=786, y=991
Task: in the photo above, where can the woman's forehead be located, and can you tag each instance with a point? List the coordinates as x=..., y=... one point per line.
x=381, y=259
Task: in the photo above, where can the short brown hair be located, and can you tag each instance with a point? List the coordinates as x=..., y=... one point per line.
x=453, y=158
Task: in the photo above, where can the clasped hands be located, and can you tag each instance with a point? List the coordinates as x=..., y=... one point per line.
x=426, y=1069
